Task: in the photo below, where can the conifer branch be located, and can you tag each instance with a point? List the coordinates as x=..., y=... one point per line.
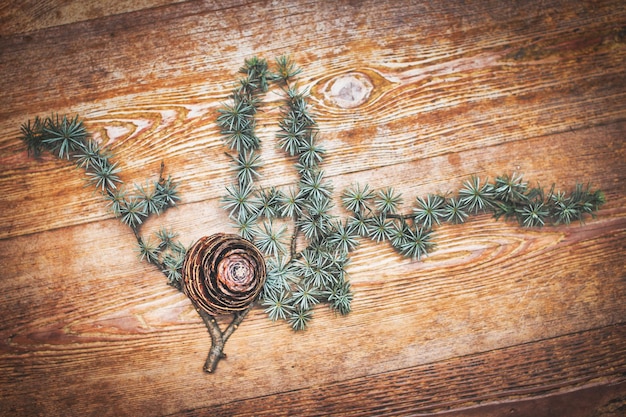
x=298, y=278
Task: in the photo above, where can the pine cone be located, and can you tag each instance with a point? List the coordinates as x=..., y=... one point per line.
x=223, y=273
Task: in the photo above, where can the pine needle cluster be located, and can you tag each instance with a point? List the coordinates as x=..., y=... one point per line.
x=67, y=138
x=374, y=214
x=298, y=279
x=168, y=254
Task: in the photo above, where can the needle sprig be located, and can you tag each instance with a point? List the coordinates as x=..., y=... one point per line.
x=301, y=275
x=68, y=139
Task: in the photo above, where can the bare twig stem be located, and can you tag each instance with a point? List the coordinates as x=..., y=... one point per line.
x=398, y=216
x=219, y=338
x=294, y=238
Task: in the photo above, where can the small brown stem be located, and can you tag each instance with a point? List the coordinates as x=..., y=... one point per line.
x=398, y=216
x=217, y=342
x=234, y=324
x=294, y=237
x=161, y=173
x=219, y=338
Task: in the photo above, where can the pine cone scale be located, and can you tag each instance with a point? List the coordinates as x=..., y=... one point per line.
x=223, y=273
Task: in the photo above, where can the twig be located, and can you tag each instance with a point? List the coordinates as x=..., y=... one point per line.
x=219, y=338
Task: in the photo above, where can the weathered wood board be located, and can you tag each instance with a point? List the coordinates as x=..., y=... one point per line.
x=498, y=320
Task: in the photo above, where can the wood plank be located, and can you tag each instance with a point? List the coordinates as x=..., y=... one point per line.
x=538, y=51
x=75, y=302
x=31, y=178
x=176, y=124
x=484, y=384
x=34, y=15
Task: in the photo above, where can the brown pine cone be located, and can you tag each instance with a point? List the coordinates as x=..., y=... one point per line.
x=223, y=273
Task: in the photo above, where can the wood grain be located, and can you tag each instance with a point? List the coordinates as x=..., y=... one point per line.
x=498, y=320
x=33, y=15
x=468, y=380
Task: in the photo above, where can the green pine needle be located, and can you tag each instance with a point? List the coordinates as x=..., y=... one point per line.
x=476, y=196
x=256, y=70
x=298, y=106
x=240, y=201
x=399, y=234
x=454, y=211
x=286, y=69
x=246, y=226
x=90, y=155
x=315, y=223
x=566, y=209
x=343, y=238
x=340, y=297
x=148, y=251
x=429, y=211
x=166, y=191
x=247, y=165
x=32, y=136
x=299, y=319
x=379, y=228
x=387, y=201
x=241, y=140
x=268, y=203
x=278, y=306
x=104, y=175
x=510, y=188
x=166, y=238
x=587, y=200
x=417, y=243
x=237, y=123
x=173, y=265
x=314, y=187
x=355, y=198
x=292, y=203
x=292, y=135
x=116, y=199
x=134, y=211
x=319, y=207
x=312, y=227
x=154, y=201
x=314, y=267
x=269, y=239
x=304, y=297
x=359, y=224
x=534, y=214
x=311, y=154
x=280, y=274
x=65, y=136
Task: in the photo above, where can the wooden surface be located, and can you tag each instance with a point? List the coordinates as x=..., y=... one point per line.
x=498, y=321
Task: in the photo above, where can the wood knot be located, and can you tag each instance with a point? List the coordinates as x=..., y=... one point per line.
x=353, y=88
x=349, y=90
